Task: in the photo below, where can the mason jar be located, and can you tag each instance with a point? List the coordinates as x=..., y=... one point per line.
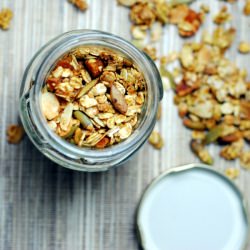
x=61, y=151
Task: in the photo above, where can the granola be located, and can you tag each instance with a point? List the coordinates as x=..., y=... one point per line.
x=245, y=160
x=223, y=16
x=246, y=9
x=93, y=97
x=212, y=95
x=80, y=4
x=151, y=16
x=15, y=133
x=156, y=140
x=6, y=16
x=232, y=173
x=244, y=47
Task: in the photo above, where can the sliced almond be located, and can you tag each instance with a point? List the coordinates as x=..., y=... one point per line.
x=66, y=116
x=50, y=105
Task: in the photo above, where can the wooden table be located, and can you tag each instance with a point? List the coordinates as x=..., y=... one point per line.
x=44, y=206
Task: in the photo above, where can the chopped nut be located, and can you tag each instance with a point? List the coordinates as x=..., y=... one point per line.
x=244, y=48
x=156, y=140
x=6, y=16
x=15, y=133
x=232, y=173
x=103, y=143
x=94, y=67
x=80, y=4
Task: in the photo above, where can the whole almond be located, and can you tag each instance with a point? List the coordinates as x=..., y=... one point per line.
x=118, y=100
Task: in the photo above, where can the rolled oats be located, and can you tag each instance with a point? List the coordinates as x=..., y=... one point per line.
x=93, y=96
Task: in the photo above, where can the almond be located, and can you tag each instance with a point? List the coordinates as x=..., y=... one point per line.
x=118, y=100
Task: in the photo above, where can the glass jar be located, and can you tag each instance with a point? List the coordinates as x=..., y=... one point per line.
x=61, y=151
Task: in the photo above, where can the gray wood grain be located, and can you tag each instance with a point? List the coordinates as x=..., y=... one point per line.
x=45, y=207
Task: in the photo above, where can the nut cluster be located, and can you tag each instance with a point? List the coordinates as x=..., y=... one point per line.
x=93, y=97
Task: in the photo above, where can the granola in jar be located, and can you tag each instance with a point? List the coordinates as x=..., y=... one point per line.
x=93, y=97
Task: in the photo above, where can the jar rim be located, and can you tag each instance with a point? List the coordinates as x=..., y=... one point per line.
x=62, y=44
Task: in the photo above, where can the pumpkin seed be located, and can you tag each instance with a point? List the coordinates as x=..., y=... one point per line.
x=84, y=120
x=87, y=88
x=213, y=134
x=71, y=132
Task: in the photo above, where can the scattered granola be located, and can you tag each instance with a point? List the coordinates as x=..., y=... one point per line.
x=232, y=173
x=245, y=160
x=223, y=16
x=80, y=4
x=159, y=112
x=212, y=95
x=15, y=133
x=6, y=16
x=199, y=149
x=205, y=8
x=151, y=16
x=156, y=140
x=93, y=97
x=247, y=8
x=151, y=51
x=244, y=47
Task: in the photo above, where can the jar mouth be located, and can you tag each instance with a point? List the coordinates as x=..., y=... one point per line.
x=68, y=41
